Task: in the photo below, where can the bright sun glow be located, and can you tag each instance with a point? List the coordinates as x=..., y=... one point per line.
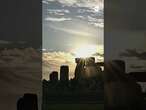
x=85, y=51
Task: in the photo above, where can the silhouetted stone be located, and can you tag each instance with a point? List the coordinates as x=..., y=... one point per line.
x=114, y=70
x=100, y=63
x=54, y=76
x=64, y=73
x=115, y=66
x=91, y=68
x=121, y=91
x=79, y=70
x=27, y=102
x=20, y=104
x=138, y=76
x=80, y=89
x=116, y=88
x=90, y=61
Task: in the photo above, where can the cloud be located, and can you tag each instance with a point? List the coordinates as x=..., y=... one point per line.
x=59, y=12
x=53, y=60
x=45, y=2
x=67, y=10
x=57, y=19
x=83, y=10
x=81, y=17
x=91, y=19
x=20, y=72
x=100, y=25
x=96, y=22
x=98, y=54
x=95, y=5
x=72, y=31
x=28, y=57
x=134, y=53
x=5, y=42
x=26, y=63
x=136, y=67
x=135, y=59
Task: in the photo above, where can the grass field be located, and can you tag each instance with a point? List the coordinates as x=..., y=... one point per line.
x=75, y=107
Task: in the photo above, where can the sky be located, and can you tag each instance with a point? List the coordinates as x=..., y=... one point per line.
x=20, y=69
x=125, y=33
x=20, y=25
x=68, y=27
x=68, y=24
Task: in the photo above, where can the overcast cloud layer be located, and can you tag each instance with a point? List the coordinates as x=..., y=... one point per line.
x=72, y=21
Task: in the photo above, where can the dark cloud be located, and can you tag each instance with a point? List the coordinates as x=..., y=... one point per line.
x=20, y=20
x=136, y=67
x=125, y=14
x=124, y=28
x=20, y=72
x=20, y=24
x=134, y=53
x=21, y=56
x=56, y=9
x=99, y=54
x=53, y=60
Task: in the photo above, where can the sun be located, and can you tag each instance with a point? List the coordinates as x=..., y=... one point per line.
x=84, y=51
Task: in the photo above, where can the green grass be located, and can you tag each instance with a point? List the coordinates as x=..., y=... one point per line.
x=75, y=107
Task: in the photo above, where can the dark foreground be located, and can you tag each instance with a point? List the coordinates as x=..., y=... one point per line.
x=75, y=107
